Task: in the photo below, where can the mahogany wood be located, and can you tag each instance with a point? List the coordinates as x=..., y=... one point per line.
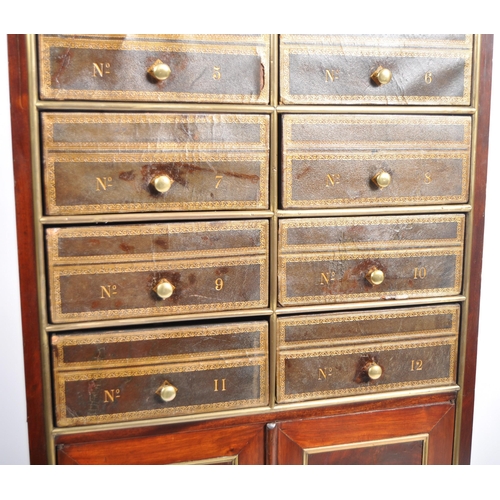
x=483, y=117
x=16, y=45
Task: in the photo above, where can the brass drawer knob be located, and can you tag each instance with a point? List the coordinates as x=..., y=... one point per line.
x=381, y=76
x=159, y=70
x=374, y=371
x=382, y=179
x=375, y=277
x=164, y=289
x=167, y=391
x=162, y=183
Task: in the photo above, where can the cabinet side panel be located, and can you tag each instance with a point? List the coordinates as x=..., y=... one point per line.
x=26, y=244
x=483, y=124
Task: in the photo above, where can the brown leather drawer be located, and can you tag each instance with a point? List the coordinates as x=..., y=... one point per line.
x=199, y=68
x=414, y=256
x=113, y=162
x=139, y=374
x=332, y=161
x=333, y=355
x=338, y=69
x=123, y=271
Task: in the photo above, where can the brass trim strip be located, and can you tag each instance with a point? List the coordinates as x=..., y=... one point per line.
x=469, y=224
x=369, y=444
x=152, y=217
x=259, y=411
x=233, y=460
x=400, y=210
x=369, y=305
x=39, y=243
x=153, y=106
x=377, y=110
x=159, y=319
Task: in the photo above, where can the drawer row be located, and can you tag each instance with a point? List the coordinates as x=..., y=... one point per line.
x=171, y=371
x=146, y=270
x=313, y=69
x=99, y=163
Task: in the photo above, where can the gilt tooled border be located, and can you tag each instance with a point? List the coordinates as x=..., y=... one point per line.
x=371, y=221
x=56, y=299
x=350, y=297
x=50, y=119
x=282, y=357
x=212, y=38
x=283, y=323
x=112, y=338
x=54, y=209
x=53, y=236
x=289, y=98
x=311, y=120
x=62, y=378
x=47, y=92
x=374, y=40
x=290, y=202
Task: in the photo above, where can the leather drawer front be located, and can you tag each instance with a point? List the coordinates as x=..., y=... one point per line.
x=419, y=256
x=326, y=356
x=116, y=376
x=331, y=161
x=113, y=272
x=108, y=163
x=203, y=68
x=337, y=69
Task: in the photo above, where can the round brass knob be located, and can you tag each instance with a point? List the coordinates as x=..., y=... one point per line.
x=159, y=70
x=167, y=391
x=375, y=277
x=381, y=76
x=162, y=183
x=164, y=289
x=374, y=371
x=382, y=179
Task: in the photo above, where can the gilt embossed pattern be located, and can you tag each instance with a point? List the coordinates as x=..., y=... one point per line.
x=205, y=68
x=337, y=69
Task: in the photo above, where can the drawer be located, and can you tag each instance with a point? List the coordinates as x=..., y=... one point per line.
x=132, y=375
x=134, y=271
x=357, y=161
x=369, y=258
x=334, y=355
x=123, y=162
x=376, y=69
x=175, y=68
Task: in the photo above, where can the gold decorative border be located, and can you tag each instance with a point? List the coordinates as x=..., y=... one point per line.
x=423, y=438
x=289, y=202
x=290, y=120
x=212, y=38
x=342, y=51
x=51, y=119
x=47, y=92
x=322, y=319
x=56, y=299
x=59, y=342
x=53, y=235
x=374, y=40
x=284, y=247
x=54, y=209
x=350, y=297
x=340, y=351
x=62, y=377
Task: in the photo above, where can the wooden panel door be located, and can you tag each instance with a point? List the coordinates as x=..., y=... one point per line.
x=240, y=445
x=407, y=436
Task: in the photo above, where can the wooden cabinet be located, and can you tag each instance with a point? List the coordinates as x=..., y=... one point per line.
x=250, y=248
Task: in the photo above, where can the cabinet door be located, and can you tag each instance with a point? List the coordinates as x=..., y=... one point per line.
x=408, y=436
x=240, y=445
